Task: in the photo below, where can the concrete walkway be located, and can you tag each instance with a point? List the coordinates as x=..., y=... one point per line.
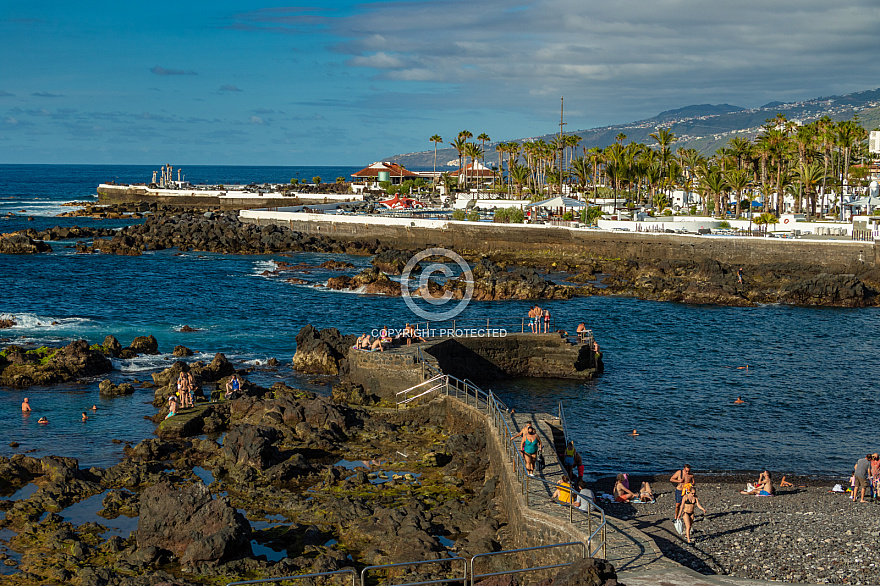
x=635, y=555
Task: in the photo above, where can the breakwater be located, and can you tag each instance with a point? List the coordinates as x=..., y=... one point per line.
x=477, y=358
x=214, y=198
x=487, y=238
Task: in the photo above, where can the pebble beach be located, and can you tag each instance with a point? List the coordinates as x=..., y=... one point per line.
x=804, y=534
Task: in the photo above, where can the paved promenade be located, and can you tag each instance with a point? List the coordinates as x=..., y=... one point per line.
x=635, y=556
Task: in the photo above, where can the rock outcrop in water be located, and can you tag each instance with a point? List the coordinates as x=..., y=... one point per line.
x=321, y=351
x=47, y=366
x=21, y=244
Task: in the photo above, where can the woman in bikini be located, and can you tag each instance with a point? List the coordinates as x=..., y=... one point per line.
x=546, y=321
x=686, y=513
x=621, y=493
x=645, y=494
x=529, y=447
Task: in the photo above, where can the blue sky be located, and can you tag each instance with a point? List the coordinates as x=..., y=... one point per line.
x=345, y=83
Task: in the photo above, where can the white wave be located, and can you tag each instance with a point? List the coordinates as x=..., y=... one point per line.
x=359, y=291
x=143, y=362
x=38, y=208
x=29, y=321
x=261, y=266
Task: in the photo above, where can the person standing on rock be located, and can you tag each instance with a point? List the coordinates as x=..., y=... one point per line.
x=862, y=469
x=546, y=321
x=739, y=275
x=679, y=479
x=25, y=406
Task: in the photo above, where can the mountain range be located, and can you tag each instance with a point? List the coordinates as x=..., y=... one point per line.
x=704, y=127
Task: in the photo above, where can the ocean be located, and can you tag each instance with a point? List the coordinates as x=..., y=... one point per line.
x=672, y=371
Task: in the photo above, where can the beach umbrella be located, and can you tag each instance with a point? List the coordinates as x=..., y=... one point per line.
x=558, y=202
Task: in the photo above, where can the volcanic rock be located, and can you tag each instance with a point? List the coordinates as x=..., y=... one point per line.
x=321, y=351
x=193, y=526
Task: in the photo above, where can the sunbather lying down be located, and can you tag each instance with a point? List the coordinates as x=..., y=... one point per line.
x=645, y=494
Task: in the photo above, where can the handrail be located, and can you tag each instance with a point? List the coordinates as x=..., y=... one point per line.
x=474, y=576
x=474, y=323
x=455, y=560
x=497, y=411
x=431, y=390
x=300, y=577
x=424, y=382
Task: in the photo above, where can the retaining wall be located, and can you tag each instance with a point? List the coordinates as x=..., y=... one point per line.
x=487, y=238
x=527, y=527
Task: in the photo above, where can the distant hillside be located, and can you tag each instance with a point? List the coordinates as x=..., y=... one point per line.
x=695, y=111
x=704, y=127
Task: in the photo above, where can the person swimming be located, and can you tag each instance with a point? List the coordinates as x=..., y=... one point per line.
x=43, y=421
x=739, y=401
x=634, y=433
x=85, y=417
x=25, y=406
x=94, y=407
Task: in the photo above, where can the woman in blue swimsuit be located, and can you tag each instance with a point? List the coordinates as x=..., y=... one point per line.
x=529, y=447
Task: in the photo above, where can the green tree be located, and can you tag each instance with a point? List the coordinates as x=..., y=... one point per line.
x=810, y=176
x=316, y=180
x=340, y=179
x=436, y=140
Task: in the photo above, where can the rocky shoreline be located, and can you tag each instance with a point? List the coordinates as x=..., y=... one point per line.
x=511, y=274
x=313, y=483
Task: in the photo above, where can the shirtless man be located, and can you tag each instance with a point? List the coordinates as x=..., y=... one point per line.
x=680, y=478
x=25, y=406
x=739, y=401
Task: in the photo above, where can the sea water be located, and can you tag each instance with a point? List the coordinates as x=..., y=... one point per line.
x=672, y=370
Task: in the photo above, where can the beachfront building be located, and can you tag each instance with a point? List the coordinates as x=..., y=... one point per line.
x=370, y=178
x=476, y=174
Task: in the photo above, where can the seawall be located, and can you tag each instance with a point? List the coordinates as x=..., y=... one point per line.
x=480, y=359
x=225, y=200
x=536, y=240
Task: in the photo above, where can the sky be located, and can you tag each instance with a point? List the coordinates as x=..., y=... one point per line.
x=349, y=83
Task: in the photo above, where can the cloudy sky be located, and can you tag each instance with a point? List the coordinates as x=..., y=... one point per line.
x=344, y=83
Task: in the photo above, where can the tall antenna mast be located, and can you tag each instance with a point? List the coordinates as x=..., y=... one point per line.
x=561, y=148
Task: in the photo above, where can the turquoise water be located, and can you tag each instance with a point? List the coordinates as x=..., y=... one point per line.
x=672, y=371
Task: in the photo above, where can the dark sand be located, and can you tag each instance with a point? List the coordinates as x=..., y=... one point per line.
x=803, y=534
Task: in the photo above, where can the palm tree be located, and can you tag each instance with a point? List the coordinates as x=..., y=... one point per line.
x=597, y=159
x=459, y=144
x=825, y=128
x=740, y=147
x=473, y=151
x=712, y=185
x=483, y=138
x=582, y=170
x=849, y=133
x=738, y=180
x=810, y=175
x=519, y=175
x=435, y=139
x=664, y=138
x=465, y=135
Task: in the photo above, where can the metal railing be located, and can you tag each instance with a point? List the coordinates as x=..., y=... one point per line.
x=474, y=576
x=517, y=326
x=350, y=571
x=497, y=411
x=455, y=560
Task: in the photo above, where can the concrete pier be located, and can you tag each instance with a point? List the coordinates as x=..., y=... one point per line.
x=480, y=359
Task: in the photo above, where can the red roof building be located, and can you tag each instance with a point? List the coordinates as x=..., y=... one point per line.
x=396, y=173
